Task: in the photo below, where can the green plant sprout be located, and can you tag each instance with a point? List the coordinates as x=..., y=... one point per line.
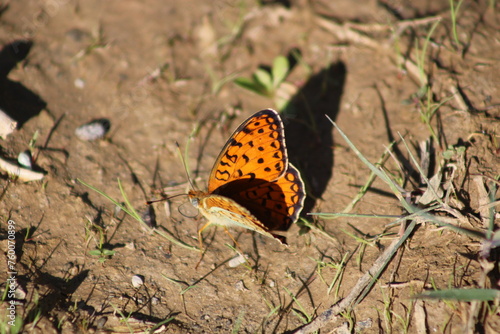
x=453, y=13
x=301, y=313
x=271, y=83
x=102, y=252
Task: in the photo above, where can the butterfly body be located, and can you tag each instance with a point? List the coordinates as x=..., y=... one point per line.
x=223, y=211
x=252, y=184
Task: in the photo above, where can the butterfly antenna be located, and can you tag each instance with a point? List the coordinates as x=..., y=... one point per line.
x=163, y=199
x=184, y=164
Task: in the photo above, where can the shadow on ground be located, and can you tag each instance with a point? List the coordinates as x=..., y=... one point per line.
x=309, y=132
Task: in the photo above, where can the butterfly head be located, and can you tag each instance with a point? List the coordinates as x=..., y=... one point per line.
x=194, y=197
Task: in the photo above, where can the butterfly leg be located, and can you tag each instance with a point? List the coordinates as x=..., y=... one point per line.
x=232, y=238
x=200, y=240
x=237, y=246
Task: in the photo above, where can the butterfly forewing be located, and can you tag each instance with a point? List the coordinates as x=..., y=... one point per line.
x=255, y=150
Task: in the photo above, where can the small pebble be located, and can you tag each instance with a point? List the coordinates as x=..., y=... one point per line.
x=19, y=293
x=149, y=217
x=79, y=83
x=93, y=130
x=155, y=301
x=237, y=260
x=24, y=159
x=76, y=34
x=116, y=211
x=137, y=281
x=130, y=245
x=240, y=286
x=368, y=323
x=225, y=321
x=72, y=269
x=101, y=322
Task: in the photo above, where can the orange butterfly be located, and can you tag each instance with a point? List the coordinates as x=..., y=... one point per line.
x=252, y=184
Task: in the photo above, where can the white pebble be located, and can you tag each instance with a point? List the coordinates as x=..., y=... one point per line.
x=237, y=260
x=24, y=159
x=79, y=83
x=93, y=130
x=19, y=293
x=240, y=286
x=137, y=281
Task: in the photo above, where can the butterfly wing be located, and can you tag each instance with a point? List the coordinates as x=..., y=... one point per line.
x=221, y=210
x=275, y=204
x=252, y=184
x=255, y=150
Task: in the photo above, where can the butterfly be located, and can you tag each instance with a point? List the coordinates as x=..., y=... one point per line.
x=252, y=184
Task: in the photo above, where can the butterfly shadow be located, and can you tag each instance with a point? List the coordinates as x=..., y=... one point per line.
x=309, y=133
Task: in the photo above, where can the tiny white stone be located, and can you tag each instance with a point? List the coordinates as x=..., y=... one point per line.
x=101, y=322
x=19, y=293
x=240, y=286
x=116, y=211
x=79, y=83
x=130, y=245
x=93, y=130
x=237, y=260
x=24, y=159
x=137, y=281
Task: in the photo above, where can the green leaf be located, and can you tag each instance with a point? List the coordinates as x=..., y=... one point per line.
x=280, y=70
x=465, y=295
x=108, y=252
x=263, y=77
x=95, y=252
x=250, y=85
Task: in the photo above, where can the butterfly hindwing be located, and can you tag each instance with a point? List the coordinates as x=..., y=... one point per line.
x=276, y=204
x=227, y=212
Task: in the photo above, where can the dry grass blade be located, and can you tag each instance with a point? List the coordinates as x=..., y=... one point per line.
x=365, y=283
x=23, y=174
x=347, y=33
x=361, y=288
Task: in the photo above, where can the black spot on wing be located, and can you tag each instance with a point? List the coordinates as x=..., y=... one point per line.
x=236, y=143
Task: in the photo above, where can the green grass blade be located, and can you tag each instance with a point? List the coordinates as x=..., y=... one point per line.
x=112, y=200
x=465, y=295
x=380, y=173
x=129, y=209
x=327, y=215
x=362, y=191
